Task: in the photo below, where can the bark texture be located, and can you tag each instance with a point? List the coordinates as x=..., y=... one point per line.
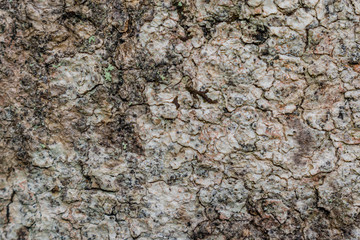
x=179, y=119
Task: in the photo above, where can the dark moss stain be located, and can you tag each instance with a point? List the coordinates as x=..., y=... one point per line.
x=201, y=231
x=207, y=31
x=354, y=58
x=184, y=16
x=195, y=93
x=157, y=72
x=121, y=134
x=227, y=229
x=22, y=233
x=262, y=33
x=257, y=31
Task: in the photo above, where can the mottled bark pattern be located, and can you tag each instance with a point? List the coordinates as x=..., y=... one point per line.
x=179, y=119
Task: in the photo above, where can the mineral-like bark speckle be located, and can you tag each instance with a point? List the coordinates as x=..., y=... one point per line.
x=180, y=119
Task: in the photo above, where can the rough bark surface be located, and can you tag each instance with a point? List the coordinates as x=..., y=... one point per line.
x=179, y=119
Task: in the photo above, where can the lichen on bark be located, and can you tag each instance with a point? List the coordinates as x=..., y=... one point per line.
x=179, y=119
